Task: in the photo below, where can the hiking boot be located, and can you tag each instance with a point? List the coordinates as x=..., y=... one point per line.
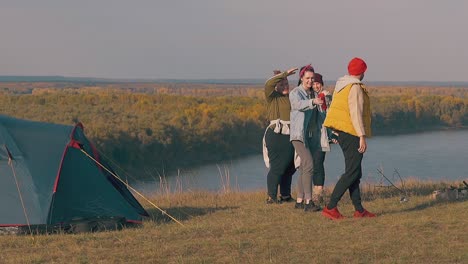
x=299, y=205
x=364, y=213
x=317, y=194
x=332, y=214
x=311, y=207
x=318, y=199
x=286, y=199
x=272, y=201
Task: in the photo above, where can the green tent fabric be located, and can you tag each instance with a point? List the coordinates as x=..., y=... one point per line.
x=46, y=179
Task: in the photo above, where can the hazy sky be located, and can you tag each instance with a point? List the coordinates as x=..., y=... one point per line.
x=402, y=40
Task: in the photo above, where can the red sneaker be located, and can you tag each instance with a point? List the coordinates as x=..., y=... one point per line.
x=333, y=214
x=365, y=213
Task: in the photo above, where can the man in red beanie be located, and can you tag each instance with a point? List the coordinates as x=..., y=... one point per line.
x=349, y=115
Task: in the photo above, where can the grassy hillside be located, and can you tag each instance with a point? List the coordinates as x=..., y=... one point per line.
x=237, y=227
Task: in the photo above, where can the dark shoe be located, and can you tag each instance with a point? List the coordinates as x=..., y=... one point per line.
x=364, y=213
x=286, y=199
x=332, y=214
x=272, y=201
x=311, y=207
x=318, y=200
x=299, y=205
x=317, y=195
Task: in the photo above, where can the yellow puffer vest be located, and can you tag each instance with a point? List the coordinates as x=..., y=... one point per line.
x=339, y=117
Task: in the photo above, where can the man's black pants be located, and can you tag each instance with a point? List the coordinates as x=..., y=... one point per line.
x=353, y=172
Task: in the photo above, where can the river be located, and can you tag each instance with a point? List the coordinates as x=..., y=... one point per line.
x=436, y=155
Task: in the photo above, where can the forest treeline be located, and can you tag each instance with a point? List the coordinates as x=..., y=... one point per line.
x=163, y=128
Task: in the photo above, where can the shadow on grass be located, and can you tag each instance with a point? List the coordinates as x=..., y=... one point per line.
x=425, y=205
x=183, y=213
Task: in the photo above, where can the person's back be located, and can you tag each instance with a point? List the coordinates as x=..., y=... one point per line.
x=348, y=113
x=349, y=116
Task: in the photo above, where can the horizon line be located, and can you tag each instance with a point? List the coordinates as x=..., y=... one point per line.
x=61, y=78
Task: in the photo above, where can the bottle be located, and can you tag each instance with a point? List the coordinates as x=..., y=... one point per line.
x=324, y=105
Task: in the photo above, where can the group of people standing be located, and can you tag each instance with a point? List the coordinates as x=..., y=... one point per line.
x=303, y=123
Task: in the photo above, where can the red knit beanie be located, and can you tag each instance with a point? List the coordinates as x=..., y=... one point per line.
x=357, y=66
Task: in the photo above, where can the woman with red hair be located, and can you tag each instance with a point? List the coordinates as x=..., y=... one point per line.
x=303, y=108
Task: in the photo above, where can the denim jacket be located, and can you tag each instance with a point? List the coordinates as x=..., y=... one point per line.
x=301, y=113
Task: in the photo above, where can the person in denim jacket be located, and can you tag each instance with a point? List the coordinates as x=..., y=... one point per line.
x=302, y=132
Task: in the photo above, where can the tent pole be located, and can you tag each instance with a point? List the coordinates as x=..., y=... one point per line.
x=10, y=163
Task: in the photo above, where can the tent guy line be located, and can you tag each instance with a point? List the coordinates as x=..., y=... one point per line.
x=131, y=188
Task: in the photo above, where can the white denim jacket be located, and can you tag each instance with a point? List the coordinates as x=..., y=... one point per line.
x=301, y=106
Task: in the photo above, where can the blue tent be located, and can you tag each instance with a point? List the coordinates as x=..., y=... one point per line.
x=48, y=179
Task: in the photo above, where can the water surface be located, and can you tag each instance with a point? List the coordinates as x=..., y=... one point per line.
x=438, y=155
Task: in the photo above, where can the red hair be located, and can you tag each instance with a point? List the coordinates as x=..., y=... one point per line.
x=304, y=69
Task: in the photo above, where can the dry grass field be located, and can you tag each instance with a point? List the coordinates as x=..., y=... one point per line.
x=238, y=227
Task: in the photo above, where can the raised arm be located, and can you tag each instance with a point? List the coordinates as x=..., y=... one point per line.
x=271, y=83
